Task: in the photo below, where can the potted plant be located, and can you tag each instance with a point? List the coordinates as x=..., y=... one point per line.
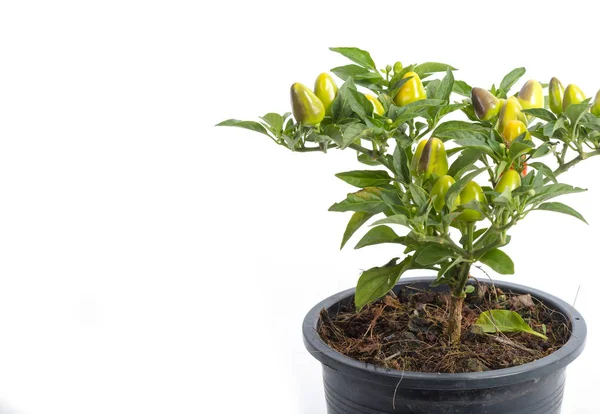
x=447, y=190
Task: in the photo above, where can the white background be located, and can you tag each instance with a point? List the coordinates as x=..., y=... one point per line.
x=151, y=263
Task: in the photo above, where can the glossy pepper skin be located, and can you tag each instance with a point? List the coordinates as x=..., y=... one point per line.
x=430, y=158
x=510, y=180
x=510, y=111
x=556, y=91
x=307, y=108
x=377, y=106
x=595, y=109
x=411, y=91
x=486, y=105
x=471, y=192
x=439, y=190
x=573, y=95
x=531, y=95
x=513, y=130
x=326, y=90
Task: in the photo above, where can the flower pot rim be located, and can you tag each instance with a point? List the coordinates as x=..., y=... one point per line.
x=426, y=380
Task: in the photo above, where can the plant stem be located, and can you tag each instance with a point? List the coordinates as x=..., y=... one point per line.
x=457, y=297
x=582, y=156
x=379, y=157
x=455, y=318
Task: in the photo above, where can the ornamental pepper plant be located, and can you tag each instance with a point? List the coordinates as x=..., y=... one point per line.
x=447, y=192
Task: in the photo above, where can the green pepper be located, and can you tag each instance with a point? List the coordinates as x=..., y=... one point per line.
x=307, y=108
x=411, y=91
x=513, y=130
x=556, y=91
x=510, y=111
x=439, y=190
x=531, y=95
x=471, y=192
x=509, y=180
x=377, y=106
x=397, y=67
x=596, y=106
x=486, y=105
x=573, y=95
x=326, y=90
x=430, y=158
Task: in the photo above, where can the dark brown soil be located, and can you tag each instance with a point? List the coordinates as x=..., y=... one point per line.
x=407, y=332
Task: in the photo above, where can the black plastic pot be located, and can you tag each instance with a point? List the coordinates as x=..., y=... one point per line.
x=353, y=387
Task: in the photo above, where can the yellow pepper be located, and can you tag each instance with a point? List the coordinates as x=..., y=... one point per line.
x=377, y=106
x=531, y=95
x=513, y=130
x=486, y=105
x=556, y=91
x=430, y=158
x=326, y=90
x=439, y=191
x=471, y=192
x=510, y=111
x=411, y=91
x=307, y=108
x=596, y=106
x=573, y=95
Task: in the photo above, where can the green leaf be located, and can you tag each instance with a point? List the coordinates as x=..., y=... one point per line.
x=464, y=161
x=431, y=254
x=519, y=148
x=446, y=109
x=379, y=235
x=456, y=188
x=251, y=125
x=351, y=133
x=544, y=169
x=541, y=150
x=445, y=89
x=401, y=164
x=498, y=261
x=500, y=320
x=340, y=108
x=577, y=111
x=359, y=103
x=356, y=221
x=400, y=219
x=275, y=121
x=350, y=71
x=444, y=268
x=540, y=113
x=553, y=190
x=419, y=195
x=367, y=200
x=427, y=68
x=365, y=159
x=561, y=208
x=365, y=178
x=462, y=88
x=510, y=79
x=432, y=88
x=377, y=281
x=362, y=57
x=460, y=130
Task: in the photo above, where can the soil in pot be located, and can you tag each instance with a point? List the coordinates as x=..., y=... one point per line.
x=407, y=332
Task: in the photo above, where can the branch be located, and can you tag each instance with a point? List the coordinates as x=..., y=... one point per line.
x=582, y=156
x=379, y=157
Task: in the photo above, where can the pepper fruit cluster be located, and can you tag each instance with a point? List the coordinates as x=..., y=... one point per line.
x=431, y=161
x=511, y=122
x=311, y=107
